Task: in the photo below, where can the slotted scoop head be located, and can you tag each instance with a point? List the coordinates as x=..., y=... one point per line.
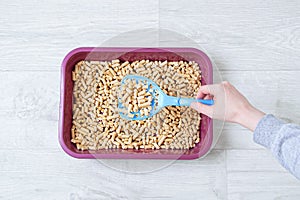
x=157, y=98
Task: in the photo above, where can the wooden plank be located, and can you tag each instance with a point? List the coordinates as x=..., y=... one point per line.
x=30, y=95
x=36, y=35
x=235, y=137
x=262, y=185
x=252, y=160
x=35, y=173
x=238, y=35
x=256, y=174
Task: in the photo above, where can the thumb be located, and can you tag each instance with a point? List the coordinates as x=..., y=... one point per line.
x=201, y=108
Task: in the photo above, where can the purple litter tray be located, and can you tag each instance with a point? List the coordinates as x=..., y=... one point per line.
x=130, y=54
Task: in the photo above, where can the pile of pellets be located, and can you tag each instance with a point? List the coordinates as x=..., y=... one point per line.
x=96, y=120
x=137, y=97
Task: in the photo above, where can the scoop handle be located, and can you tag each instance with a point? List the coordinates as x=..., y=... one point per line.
x=188, y=101
x=178, y=101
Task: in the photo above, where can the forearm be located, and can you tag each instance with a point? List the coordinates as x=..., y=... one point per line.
x=249, y=117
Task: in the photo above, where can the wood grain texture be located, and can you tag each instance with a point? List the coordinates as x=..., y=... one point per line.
x=239, y=35
x=235, y=137
x=256, y=174
x=45, y=31
x=46, y=172
x=255, y=45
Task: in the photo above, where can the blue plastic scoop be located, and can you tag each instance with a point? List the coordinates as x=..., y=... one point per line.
x=159, y=99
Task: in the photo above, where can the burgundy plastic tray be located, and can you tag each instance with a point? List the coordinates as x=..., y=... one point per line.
x=130, y=54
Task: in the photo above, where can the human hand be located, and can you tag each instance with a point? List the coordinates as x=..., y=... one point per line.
x=230, y=105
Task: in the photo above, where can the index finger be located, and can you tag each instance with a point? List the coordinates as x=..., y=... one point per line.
x=206, y=90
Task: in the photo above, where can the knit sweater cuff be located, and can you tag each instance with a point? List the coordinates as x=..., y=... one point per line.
x=266, y=130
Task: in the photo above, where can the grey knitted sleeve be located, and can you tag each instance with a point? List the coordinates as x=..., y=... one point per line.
x=282, y=139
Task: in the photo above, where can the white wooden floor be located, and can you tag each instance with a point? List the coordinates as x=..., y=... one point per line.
x=255, y=44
